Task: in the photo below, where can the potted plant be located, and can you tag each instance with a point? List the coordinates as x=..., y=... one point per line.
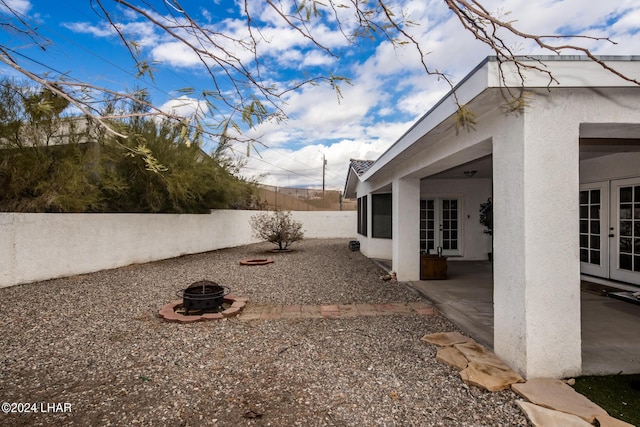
x=486, y=219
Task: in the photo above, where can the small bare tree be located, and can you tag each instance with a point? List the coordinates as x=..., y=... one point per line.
x=277, y=227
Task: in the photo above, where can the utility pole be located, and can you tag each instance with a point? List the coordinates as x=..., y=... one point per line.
x=324, y=168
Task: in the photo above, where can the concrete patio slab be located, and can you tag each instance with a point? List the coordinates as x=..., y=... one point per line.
x=609, y=326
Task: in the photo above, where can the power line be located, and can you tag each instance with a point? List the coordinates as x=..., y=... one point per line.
x=160, y=90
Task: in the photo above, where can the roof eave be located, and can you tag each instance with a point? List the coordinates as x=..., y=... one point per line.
x=569, y=71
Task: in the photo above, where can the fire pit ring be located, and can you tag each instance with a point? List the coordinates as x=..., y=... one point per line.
x=256, y=261
x=203, y=295
x=173, y=312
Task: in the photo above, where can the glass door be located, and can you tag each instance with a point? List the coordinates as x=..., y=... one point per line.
x=440, y=226
x=625, y=230
x=594, y=223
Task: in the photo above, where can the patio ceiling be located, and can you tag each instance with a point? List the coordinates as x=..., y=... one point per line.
x=589, y=148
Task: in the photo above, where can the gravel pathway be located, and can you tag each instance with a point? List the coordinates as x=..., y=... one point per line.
x=95, y=342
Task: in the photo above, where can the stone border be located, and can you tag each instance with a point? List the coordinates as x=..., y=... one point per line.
x=301, y=311
x=256, y=261
x=168, y=312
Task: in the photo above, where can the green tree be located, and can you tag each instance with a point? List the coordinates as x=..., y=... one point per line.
x=180, y=177
x=37, y=172
x=52, y=163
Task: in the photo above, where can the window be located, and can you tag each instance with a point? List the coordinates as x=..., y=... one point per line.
x=359, y=207
x=381, y=223
x=362, y=215
x=590, y=226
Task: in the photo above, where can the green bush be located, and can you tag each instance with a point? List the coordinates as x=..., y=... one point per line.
x=53, y=163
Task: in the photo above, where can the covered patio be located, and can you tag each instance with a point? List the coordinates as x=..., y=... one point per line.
x=562, y=177
x=610, y=326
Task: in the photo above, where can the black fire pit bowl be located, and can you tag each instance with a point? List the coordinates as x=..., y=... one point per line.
x=203, y=296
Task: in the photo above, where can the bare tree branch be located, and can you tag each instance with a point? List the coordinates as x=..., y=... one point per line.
x=239, y=88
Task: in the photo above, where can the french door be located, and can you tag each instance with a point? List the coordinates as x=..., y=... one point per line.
x=594, y=229
x=625, y=230
x=440, y=226
x=610, y=229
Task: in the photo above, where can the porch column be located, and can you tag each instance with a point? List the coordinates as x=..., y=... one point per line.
x=406, y=228
x=536, y=247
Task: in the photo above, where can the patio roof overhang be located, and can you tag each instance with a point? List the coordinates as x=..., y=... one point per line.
x=483, y=91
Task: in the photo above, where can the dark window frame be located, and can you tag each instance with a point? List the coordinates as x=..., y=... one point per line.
x=381, y=216
x=362, y=215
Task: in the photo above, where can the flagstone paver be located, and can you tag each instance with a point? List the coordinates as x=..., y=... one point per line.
x=446, y=339
x=452, y=356
x=557, y=395
x=540, y=416
x=609, y=421
x=489, y=376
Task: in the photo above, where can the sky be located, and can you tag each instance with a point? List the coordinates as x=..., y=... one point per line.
x=388, y=88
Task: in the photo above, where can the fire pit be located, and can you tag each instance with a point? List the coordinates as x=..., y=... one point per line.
x=203, y=296
x=256, y=261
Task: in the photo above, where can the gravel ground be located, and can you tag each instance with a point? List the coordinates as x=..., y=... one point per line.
x=95, y=342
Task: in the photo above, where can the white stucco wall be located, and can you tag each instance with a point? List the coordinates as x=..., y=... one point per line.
x=327, y=224
x=406, y=224
x=375, y=248
x=536, y=264
x=536, y=176
x=37, y=247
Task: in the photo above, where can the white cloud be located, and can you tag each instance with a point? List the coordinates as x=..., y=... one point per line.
x=88, y=28
x=390, y=89
x=20, y=6
x=357, y=122
x=185, y=106
x=176, y=54
x=140, y=32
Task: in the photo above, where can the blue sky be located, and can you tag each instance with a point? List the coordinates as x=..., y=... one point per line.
x=389, y=91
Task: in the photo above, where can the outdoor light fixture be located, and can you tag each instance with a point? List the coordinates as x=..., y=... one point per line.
x=470, y=174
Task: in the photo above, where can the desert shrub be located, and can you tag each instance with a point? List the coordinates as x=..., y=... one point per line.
x=277, y=227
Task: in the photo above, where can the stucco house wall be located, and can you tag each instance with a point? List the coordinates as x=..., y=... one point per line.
x=536, y=171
